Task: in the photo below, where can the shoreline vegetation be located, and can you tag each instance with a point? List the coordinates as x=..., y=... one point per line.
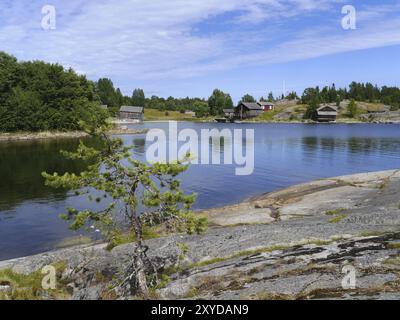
x=39, y=96
x=40, y=100
x=50, y=135
x=357, y=218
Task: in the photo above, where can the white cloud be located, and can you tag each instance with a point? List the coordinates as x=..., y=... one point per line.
x=132, y=39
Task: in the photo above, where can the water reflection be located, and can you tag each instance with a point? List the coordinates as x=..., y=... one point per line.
x=284, y=155
x=21, y=165
x=139, y=146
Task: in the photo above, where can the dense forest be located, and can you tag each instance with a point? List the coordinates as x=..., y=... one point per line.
x=37, y=96
x=365, y=92
x=114, y=99
x=219, y=100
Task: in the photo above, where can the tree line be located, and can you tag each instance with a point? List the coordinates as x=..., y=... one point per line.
x=219, y=100
x=363, y=92
x=38, y=96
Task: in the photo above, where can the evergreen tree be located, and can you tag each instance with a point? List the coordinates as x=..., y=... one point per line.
x=149, y=195
x=138, y=98
x=292, y=95
x=248, y=98
x=311, y=109
x=107, y=93
x=352, y=109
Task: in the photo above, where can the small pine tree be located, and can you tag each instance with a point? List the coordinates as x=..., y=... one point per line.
x=148, y=195
x=311, y=109
x=338, y=100
x=352, y=109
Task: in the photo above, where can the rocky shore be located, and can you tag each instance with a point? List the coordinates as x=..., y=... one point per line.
x=296, y=243
x=46, y=135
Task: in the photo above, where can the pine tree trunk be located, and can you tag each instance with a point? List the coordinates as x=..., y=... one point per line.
x=140, y=268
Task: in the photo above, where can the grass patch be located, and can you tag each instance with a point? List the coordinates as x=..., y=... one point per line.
x=372, y=233
x=269, y=296
x=261, y=250
x=266, y=116
x=154, y=115
x=208, y=262
x=392, y=261
x=129, y=237
x=318, y=242
x=208, y=284
x=338, y=218
x=193, y=292
x=29, y=287
x=335, y=212
x=393, y=246
x=238, y=255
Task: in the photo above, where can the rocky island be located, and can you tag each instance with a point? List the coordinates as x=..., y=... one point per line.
x=295, y=243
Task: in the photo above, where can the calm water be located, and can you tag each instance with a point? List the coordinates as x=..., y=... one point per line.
x=285, y=154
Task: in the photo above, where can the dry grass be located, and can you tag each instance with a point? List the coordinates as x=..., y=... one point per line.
x=158, y=115
x=29, y=287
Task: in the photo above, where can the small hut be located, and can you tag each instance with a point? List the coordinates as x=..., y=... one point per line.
x=326, y=114
x=131, y=113
x=246, y=110
x=267, y=106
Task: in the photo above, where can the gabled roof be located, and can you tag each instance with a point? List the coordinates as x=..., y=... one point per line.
x=131, y=109
x=228, y=111
x=265, y=103
x=251, y=105
x=327, y=110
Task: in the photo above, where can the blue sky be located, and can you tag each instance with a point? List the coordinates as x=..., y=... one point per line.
x=189, y=47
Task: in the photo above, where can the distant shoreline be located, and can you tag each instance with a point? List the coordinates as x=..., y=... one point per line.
x=43, y=135
x=341, y=121
x=52, y=135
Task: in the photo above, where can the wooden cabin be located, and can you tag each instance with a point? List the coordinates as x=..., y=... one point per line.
x=247, y=110
x=131, y=113
x=267, y=106
x=326, y=114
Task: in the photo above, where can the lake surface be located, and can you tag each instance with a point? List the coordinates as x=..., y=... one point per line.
x=285, y=154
